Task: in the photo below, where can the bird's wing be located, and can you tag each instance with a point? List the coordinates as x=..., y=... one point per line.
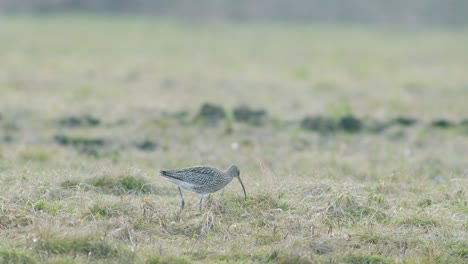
x=193, y=175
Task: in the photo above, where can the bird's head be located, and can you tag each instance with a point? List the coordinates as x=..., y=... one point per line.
x=234, y=171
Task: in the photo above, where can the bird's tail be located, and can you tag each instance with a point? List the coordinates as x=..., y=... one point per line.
x=169, y=175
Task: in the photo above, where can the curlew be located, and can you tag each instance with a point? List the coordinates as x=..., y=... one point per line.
x=202, y=180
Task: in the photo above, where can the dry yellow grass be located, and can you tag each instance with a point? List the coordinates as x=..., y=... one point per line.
x=92, y=107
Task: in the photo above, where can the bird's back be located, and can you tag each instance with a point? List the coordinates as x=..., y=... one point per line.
x=198, y=175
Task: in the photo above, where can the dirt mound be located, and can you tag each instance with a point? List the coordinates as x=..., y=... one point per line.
x=319, y=123
x=350, y=124
x=88, y=146
x=248, y=115
x=146, y=145
x=211, y=113
x=77, y=121
x=442, y=123
x=405, y=121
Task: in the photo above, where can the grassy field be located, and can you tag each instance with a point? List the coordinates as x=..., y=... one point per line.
x=352, y=142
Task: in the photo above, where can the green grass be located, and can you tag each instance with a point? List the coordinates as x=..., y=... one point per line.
x=121, y=184
x=13, y=256
x=365, y=259
x=91, y=107
x=76, y=245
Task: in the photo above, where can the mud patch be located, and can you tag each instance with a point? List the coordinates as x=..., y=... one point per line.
x=350, y=124
x=146, y=145
x=251, y=116
x=211, y=113
x=319, y=123
x=442, y=123
x=89, y=146
x=405, y=121
x=77, y=121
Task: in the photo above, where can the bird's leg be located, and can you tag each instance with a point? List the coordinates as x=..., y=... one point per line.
x=201, y=202
x=182, y=197
x=210, y=200
x=222, y=196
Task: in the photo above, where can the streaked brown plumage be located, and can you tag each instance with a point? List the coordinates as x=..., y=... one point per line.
x=202, y=180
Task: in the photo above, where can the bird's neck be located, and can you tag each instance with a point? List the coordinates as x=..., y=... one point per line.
x=227, y=179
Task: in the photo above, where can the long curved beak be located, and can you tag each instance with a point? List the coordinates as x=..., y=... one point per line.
x=245, y=194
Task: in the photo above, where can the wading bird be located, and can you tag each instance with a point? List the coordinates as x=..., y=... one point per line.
x=202, y=180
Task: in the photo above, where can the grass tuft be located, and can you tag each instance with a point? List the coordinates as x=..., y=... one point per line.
x=70, y=184
x=365, y=259
x=167, y=260
x=15, y=257
x=105, y=182
x=374, y=238
x=461, y=251
x=350, y=206
x=14, y=218
x=416, y=221
x=286, y=258
x=39, y=205
x=425, y=203
x=76, y=245
x=266, y=202
x=134, y=184
x=101, y=210
x=264, y=240
x=122, y=184
x=35, y=154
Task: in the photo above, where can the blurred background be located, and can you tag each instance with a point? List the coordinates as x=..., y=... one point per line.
x=124, y=73
x=397, y=12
